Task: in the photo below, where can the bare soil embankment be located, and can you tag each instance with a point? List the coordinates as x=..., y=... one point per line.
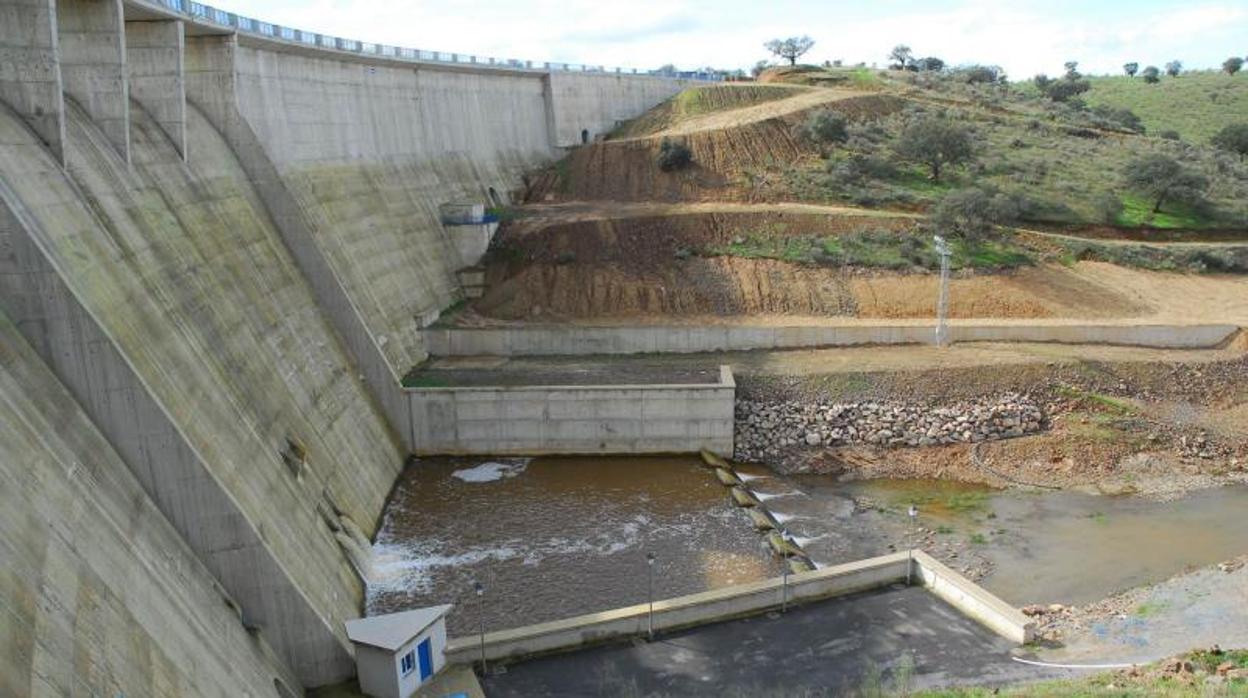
x=689, y=264
x=726, y=146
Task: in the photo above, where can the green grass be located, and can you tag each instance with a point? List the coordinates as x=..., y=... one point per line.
x=882, y=249
x=1138, y=212
x=978, y=539
x=1149, y=609
x=1197, y=105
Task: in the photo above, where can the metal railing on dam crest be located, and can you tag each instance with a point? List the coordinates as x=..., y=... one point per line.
x=200, y=12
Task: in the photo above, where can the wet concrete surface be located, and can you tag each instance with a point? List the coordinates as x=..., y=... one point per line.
x=830, y=648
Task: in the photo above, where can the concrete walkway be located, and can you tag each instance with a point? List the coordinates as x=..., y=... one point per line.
x=827, y=648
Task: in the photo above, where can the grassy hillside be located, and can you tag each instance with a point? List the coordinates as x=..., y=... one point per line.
x=1196, y=105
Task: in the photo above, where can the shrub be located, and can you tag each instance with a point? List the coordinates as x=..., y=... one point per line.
x=1170, y=135
x=1233, y=138
x=825, y=127
x=1233, y=65
x=674, y=156
x=971, y=214
x=1121, y=118
x=1151, y=75
x=1108, y=207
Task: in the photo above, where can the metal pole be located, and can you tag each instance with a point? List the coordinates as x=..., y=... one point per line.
x=481, y=619
x=942, y=302
x=650, y=594
x=914, y=515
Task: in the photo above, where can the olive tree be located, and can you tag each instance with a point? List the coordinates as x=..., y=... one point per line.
x=1234, y=138
x=1162, y=179
x=1173, y=68
x=1232, y=65
x=1131, y=68
x=1151, y=74
x=791, y=48
x=936, y=143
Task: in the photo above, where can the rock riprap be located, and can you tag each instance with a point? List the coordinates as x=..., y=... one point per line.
x=766, y=429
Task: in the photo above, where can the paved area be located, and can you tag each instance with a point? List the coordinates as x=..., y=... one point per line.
x=826, y=649
x=494, y=371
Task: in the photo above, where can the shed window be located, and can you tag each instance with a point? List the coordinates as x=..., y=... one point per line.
x=408, y=663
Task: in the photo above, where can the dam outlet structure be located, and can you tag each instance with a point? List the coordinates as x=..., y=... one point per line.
x=220, y=241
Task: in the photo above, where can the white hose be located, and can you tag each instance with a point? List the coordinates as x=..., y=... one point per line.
x=1073, y=666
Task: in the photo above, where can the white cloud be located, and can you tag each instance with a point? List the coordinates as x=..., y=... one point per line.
x=1025, y=37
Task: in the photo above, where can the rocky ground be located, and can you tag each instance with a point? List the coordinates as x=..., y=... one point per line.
x=1157, y=428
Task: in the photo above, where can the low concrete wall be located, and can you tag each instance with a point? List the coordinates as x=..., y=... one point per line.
x=534, y=420
x=748, y=599
x=538, y=341
x=973, y=600
x=682, y=611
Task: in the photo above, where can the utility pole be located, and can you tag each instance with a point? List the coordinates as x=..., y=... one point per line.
x=650, y=594
x=942, y=302
x=480, y=589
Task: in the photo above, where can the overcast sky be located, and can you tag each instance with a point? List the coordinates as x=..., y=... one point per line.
x=1024, y=37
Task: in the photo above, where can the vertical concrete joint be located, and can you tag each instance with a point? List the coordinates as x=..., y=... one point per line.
x=30, y=73
x=156, y=70
x=91, y=36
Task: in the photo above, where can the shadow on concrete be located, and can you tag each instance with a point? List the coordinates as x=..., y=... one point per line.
x=833, y=648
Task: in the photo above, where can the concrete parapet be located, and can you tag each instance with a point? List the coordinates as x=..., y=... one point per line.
x=30, y=74
x=532, y=420
x=575, y=341
x=92, y=41
x=155, y=68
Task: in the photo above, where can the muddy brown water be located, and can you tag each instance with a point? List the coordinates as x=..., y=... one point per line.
x=557, y=537
x=551, y=538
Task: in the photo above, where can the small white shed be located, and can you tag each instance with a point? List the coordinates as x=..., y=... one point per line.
x=397, y=652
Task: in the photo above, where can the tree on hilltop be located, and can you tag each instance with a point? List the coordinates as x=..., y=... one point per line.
x=1173, y=68
x=1162, y=179
x=791, y=48
x=1233, y=65
x=1131, y=68
x=1151, y=75
x=936, y=143
x=930, y=64
x=901, y=56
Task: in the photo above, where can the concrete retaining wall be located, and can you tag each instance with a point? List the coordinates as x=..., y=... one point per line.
x=554, y=341
x=973, y=600
x=99, y=594
x=744, y=600
x=533, y=420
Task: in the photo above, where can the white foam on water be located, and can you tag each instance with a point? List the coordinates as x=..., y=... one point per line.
x=763, y=496
x=491, y=471
x=803, y=540
x=781, y=517
x=746, y=477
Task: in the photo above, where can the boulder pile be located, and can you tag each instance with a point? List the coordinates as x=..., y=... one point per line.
x=766, y=429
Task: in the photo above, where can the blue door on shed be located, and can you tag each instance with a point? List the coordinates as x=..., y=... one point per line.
x=425, y=654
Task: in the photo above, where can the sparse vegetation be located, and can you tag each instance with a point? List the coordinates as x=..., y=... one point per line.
x=825, y=127
x=1233, y=138
x=972, y=214
x=674, y=155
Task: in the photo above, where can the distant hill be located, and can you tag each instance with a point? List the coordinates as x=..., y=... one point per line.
x=1196, y=104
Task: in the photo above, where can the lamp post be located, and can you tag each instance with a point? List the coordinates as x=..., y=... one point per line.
x=942, y=301
x=650, y=594
x=480, y=590
x=914, y=517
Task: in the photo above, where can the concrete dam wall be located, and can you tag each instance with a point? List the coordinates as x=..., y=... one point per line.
x=217, y=252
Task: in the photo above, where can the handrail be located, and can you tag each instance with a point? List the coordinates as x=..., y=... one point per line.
x=206, y=13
